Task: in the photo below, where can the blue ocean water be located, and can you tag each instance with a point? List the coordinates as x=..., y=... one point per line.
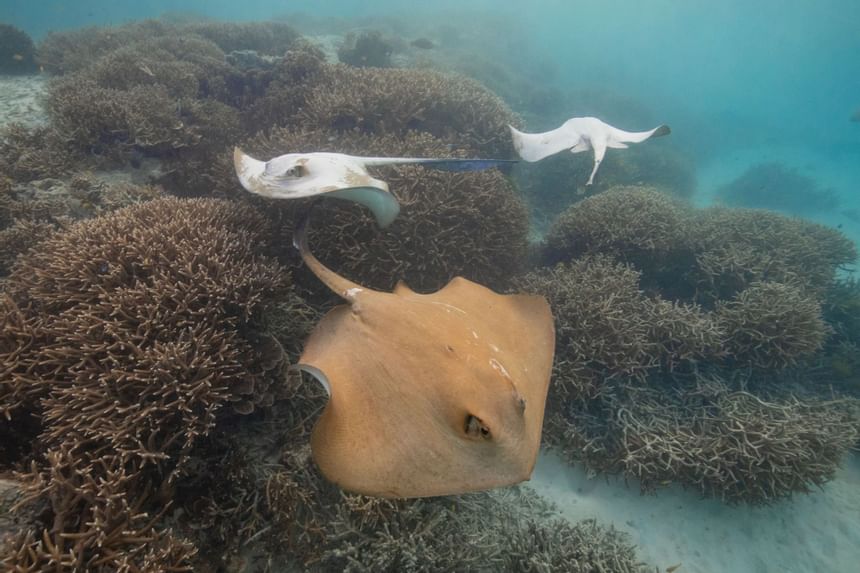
x=738, y=82
x=741, y=83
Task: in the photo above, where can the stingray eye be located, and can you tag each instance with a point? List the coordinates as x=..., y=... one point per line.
x=295, y=171
x=475, y=428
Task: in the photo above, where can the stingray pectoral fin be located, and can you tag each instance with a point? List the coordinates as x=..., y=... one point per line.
x=535, y=146
x=381, y=203
x=619, y=135
x=616, y=145
x=249, y=170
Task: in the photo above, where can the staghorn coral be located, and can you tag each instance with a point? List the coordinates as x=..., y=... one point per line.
x=100, y=522
x=771, y=326
x=31, y=212
x=17, y=51
x=731, y=445
x=128, y=336
x=469, y=224
x=606, y=328
x=737, y=247
x=394, y=101
x=601, y=331
x=365, y=50
x=143, y=117
x=188, y=67
x=36, y=153
x=270, y=38
x=640, y=225
x=841, y=311
x=71, y=51
x=507, y=532
x=18, y=237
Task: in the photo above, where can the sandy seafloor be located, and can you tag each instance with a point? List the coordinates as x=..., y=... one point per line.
x=20, y=99
x=818, y=532
x=814, y=533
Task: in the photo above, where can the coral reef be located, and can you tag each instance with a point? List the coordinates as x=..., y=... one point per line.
x=468, y=224
x=724, y=397
x=771, y=326
x=29, y=212
x=38, y=153
x=731, y=445
x=71, y=51
x=453, y=108
x=703, y=255
x=365, y=50
x=129, y=337
x=17, y=51
x=640, y=225
x=606, y=328
x=775, y=186
x=737, y=247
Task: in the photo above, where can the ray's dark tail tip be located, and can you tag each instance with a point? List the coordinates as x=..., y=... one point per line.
x=662, y=130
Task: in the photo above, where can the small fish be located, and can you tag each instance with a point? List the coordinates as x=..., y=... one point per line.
x=145, y=69
x=18, y=58
x=673, y=568
x=423, y=43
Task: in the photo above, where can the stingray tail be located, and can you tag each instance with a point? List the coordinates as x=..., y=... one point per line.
x=343, y=287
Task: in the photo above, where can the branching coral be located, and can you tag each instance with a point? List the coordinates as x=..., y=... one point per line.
x=606, y=328
x=771, y=326
x=635, y=224
x=30, y=212
x=38, y=153
x=66, y=52
x=469, y=224
x=394, y=101
x=736, y=247
x=731, y=445
x=496, y=532
x=145, y=117
x=142, y=333
x=100, y=521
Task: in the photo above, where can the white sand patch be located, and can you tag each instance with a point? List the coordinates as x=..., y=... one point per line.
x=20, y=99
x=815, y=532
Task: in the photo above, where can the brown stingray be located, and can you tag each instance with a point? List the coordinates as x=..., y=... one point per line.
x=429, y=394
